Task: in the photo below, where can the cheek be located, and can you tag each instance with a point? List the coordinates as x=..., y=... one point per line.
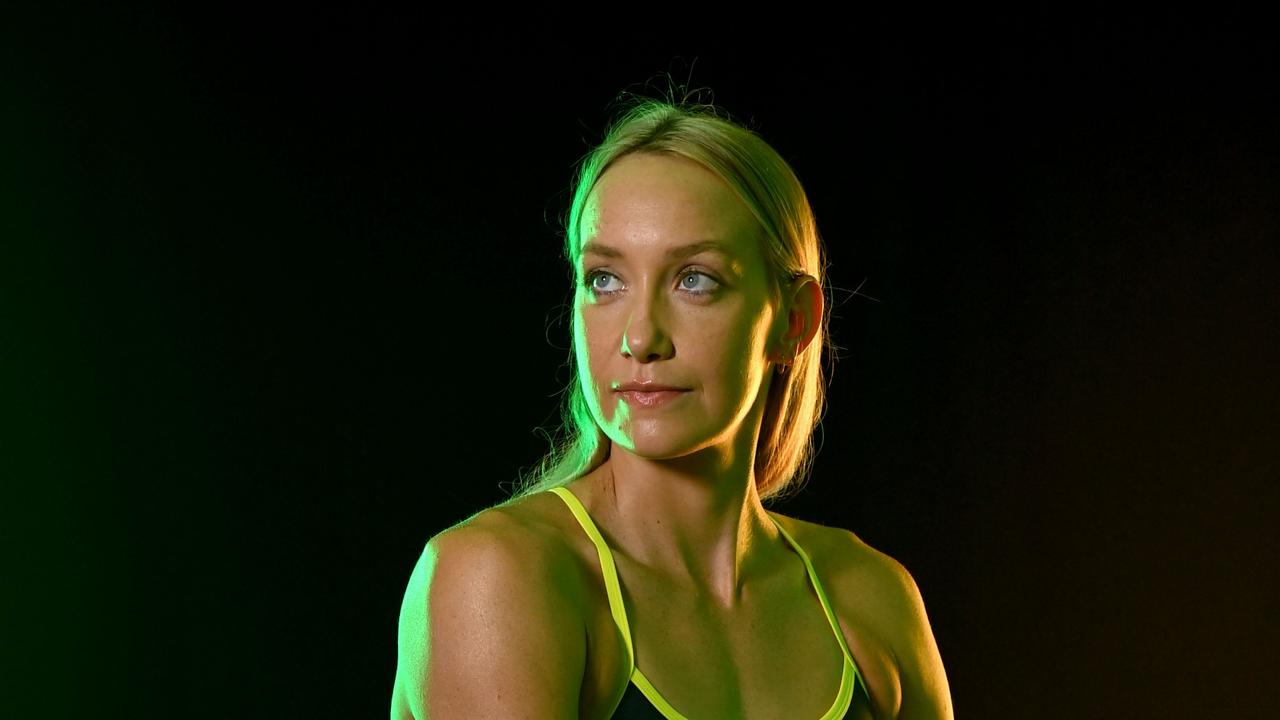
x=592, y=354
x=728, y=354
x=744, y=354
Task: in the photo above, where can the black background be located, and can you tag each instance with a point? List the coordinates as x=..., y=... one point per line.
x=282, y=297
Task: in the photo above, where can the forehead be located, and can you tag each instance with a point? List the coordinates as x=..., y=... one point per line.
x=659, y=206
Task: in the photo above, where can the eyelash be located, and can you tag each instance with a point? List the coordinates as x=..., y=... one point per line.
x=588, y=281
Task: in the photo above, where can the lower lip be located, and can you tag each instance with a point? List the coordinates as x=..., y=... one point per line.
x=650, y=399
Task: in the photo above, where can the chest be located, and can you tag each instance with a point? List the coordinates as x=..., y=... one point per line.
x=774, y=656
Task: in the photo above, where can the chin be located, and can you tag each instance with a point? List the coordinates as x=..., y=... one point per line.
x=660, y=445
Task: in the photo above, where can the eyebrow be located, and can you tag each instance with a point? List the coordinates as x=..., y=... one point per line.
x=682, y=251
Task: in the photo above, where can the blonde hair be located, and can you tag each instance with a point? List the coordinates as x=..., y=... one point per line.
x=770, y=189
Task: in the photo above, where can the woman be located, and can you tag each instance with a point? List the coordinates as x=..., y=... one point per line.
x=638, y=574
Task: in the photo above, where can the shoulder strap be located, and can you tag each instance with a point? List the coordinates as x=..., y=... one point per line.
x=606, y=564
x=817, y=586
x=851, y=677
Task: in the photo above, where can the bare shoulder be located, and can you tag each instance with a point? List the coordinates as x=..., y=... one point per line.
x=487, y=598
x=844, y=560
x=862, y=582
x=879, y=596
x=517, y=537
x=833, y=550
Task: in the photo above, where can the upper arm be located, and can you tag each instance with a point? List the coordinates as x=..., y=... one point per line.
x=904, y=670
x=489, y=627
x=926, y=694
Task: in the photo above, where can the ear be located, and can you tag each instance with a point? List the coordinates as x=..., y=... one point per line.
x=803, y=306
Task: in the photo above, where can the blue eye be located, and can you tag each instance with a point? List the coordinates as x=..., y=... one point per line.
x=590, y=282
x=589, y=279
x=693, y=273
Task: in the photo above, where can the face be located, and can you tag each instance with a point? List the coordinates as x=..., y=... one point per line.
x=647, y=308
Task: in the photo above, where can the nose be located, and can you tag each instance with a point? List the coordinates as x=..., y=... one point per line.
x=644, y=338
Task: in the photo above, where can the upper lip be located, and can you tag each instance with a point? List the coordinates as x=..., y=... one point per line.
x=645, y=386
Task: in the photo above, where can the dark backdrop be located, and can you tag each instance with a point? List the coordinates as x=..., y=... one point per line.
x=282, y=297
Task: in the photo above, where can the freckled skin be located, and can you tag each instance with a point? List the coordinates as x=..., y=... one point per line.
x=715, y=344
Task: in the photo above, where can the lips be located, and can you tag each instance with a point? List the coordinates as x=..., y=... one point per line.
x=647, y=387
x=650, y=399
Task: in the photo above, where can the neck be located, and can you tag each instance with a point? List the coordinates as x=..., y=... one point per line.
x=696, y=520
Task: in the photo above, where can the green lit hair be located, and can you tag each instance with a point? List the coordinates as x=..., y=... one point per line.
x=770, y=189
